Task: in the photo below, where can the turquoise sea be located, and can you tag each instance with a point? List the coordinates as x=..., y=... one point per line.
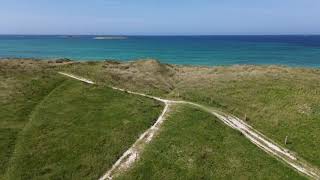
x=293, y=50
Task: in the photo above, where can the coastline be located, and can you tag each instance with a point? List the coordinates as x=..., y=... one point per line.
x=60, y=60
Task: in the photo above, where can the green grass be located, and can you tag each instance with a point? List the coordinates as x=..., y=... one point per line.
x=20, y=92
x=78, y=131
x=278, y=101
x=148, y=76
x=277, y=104
x=7, y=144
x=195, y=145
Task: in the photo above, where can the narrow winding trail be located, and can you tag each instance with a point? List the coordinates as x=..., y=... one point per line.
x=264, y=143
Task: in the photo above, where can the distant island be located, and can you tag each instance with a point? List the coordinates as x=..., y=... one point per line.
x=110, y=37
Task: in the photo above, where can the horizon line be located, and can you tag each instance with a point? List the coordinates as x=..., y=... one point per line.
x=311, y=34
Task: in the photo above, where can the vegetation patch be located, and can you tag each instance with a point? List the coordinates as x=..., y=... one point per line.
x=79, y=131
x=23, y=85
x=195, y=145
x=280, y=102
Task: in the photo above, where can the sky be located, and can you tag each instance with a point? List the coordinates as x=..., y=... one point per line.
x=160, y=17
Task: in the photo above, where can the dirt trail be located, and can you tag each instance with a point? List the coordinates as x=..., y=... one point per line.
x=133, y=153
x=266, y=144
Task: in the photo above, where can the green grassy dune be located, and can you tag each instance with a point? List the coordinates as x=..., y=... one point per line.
x=79, y=131
x=195, y=145
x=21, y=89
x=278, y=101
x=56, y=128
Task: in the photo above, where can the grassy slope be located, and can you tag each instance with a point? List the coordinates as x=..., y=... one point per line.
x=21, y=89
x=79, y=131
x=195, y=145
x=282, y=102
x=278, y=101
x=143, y=76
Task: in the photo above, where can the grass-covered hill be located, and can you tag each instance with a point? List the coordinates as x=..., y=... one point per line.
x=56, y=128
x=279, y=101
x=195, y=145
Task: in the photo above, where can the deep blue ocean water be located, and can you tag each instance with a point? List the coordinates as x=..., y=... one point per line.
x=292, y=50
